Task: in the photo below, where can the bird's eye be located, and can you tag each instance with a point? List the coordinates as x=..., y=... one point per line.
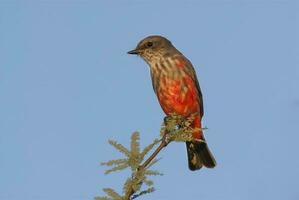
x=149, y=44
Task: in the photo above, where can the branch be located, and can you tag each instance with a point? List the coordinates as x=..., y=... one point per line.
x=163, y=144
x=175, y=128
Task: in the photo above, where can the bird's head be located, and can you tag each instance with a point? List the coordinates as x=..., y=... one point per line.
x=153, y=48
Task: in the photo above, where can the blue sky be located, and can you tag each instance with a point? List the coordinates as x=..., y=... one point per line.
x=67, y=86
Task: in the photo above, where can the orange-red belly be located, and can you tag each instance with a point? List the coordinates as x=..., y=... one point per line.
x=178, y=96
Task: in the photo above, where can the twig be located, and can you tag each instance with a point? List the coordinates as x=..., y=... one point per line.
x=162, y=145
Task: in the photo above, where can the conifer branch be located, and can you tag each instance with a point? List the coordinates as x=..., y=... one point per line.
x=146, y=163
x=175, y=128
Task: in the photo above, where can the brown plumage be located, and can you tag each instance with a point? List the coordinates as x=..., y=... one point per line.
x=176, y=86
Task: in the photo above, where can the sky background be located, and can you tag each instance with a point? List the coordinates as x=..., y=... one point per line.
x=67, y=86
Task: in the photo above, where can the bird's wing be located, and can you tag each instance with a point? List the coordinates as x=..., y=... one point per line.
x=189, y=69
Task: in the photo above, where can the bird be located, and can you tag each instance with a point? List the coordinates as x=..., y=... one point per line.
x=177, y=88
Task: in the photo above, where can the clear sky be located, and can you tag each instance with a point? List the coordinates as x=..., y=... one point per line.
x=67, y=86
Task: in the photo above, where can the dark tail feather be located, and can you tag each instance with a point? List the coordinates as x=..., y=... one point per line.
x=199, y=155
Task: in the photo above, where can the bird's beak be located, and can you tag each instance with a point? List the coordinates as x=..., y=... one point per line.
x=135, y=51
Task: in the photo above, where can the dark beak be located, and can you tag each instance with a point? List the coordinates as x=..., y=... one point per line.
x=135, y=51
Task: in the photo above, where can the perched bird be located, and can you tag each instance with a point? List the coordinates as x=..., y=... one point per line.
x=176, y=86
